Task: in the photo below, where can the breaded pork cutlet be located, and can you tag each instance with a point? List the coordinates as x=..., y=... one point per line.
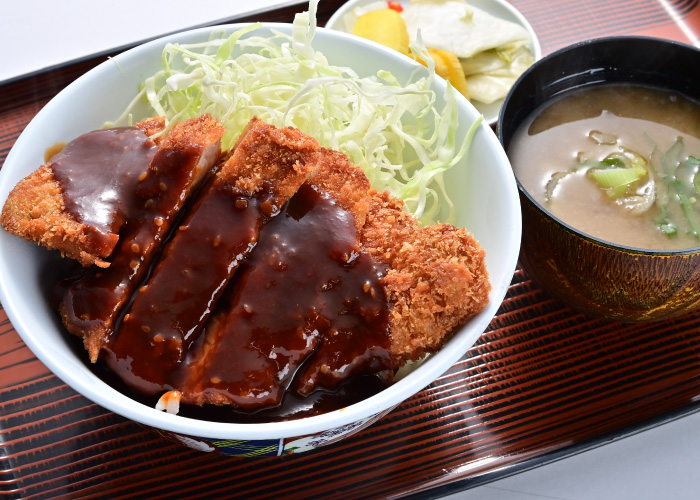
x=92, y=302
x=437, y=276
x=357, y=287
x=265, y=155
x=153, y=127
x=332, y=278
x=45, y=207
x=284, y=298
x=434, y=278
x=346, y=183
x=267, y=166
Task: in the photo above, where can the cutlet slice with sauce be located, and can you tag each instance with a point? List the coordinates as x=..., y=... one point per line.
x=92, y=301
x=304, y=280
x=435, y=279
x=74, y=203
x=267, y=166
x=358, y=288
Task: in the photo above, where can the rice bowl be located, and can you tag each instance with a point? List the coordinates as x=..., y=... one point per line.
x=481, y=185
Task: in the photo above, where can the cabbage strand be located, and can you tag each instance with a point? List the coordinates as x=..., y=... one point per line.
x=394, y=132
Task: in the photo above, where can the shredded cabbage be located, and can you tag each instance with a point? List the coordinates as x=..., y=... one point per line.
x=394, y=131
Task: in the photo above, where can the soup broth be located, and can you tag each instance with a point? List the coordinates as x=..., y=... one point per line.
x=617, y=162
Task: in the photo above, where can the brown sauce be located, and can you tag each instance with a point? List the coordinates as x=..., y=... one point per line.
x=351, y=391
x=306, y=303
x=305, y=283
x=53, y=150
x=98, y=173
x=94, y=299
x=293, y=406
x=305, y=294
x=169, y=311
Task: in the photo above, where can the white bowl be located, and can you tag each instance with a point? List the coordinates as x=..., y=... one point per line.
x=483, y=188
x=497, y=8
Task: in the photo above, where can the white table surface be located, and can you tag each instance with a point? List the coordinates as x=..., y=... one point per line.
x=39, y=34
x=661, y=463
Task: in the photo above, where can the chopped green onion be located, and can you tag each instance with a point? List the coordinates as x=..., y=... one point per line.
x=690, y=215
x=693, y=163
x=617, y=172
x=674, y=153
x=611, y=163
x=615, y=177
x=666, y=225
x=670, y=160
x=631, y=181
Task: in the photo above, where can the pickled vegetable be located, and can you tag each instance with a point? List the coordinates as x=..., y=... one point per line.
x=447, y=65
x=385, y=26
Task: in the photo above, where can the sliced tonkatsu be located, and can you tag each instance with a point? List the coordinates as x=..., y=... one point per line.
x=74, y=203
x=236, y=278
x=92, y=302
x=357, y=287
x=305, y=281
x=437, y=276
x=266, y=167
x=435, y=279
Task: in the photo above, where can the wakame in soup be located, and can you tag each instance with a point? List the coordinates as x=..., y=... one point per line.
x=618, y=162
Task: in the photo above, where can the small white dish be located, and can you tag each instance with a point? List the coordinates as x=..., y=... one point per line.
x=497, y=8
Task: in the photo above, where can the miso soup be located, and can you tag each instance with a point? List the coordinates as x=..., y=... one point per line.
x=617, y=162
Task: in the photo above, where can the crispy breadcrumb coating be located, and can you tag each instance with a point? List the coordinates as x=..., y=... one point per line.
x=263, y=153
x=153, y=127
x=347, y=183
x=35, y=210
x=437, y=277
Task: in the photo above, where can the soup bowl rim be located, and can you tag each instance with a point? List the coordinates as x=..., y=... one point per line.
x=537, y=67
